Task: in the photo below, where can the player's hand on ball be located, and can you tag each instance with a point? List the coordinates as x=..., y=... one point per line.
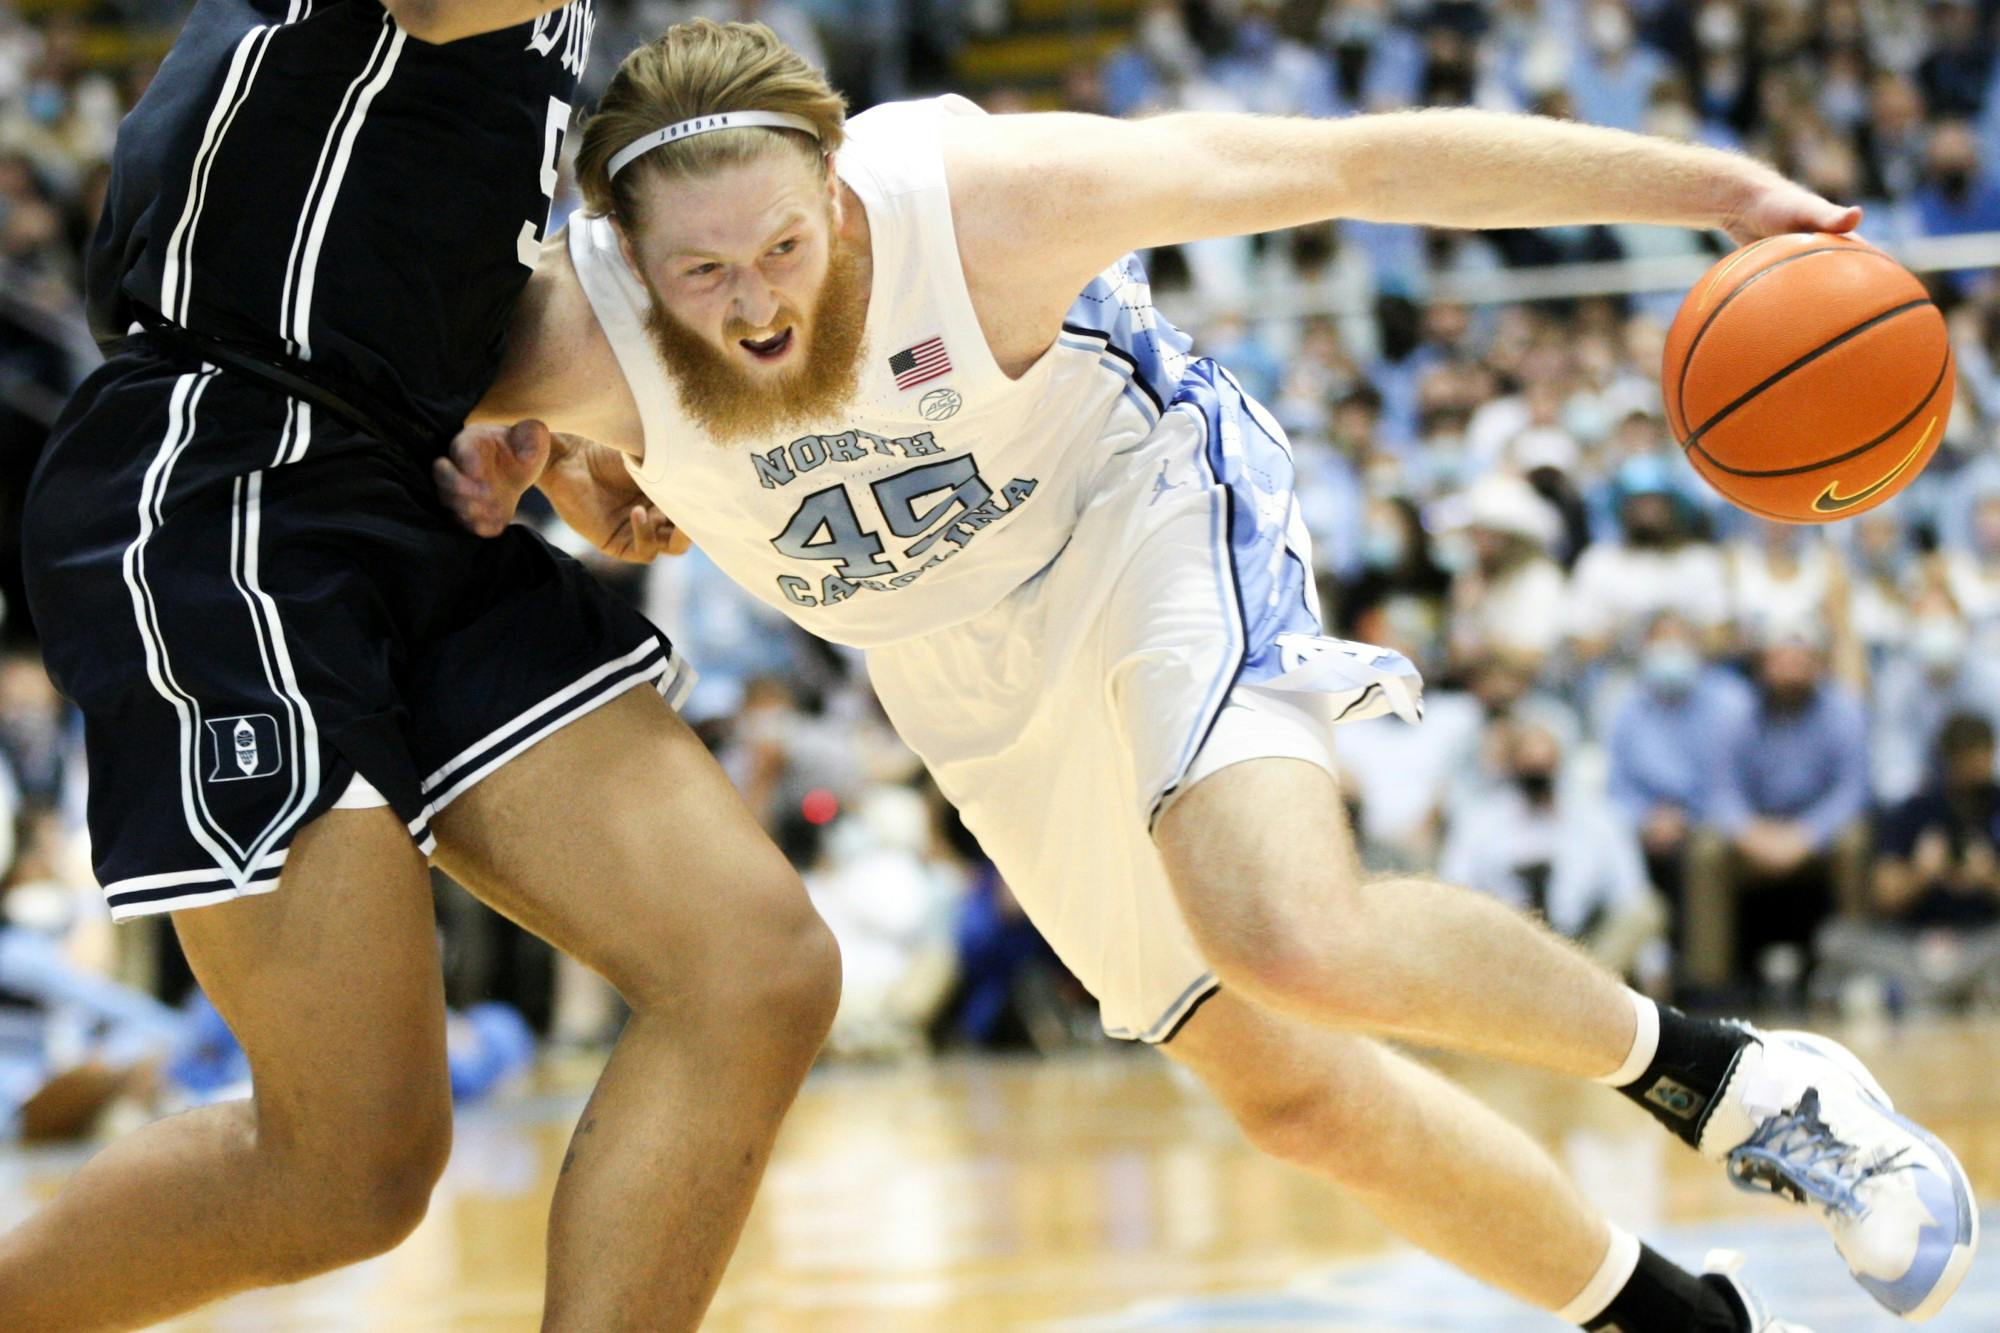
x=487, y=470
x=1774, y=206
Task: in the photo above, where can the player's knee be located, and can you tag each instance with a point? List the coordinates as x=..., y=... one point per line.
x=1322, y=1127
x=792, y=981
x=774, y=966
x=367, y=1200
x=1306, y=1125
x=1274, y=953
x=1294, y=946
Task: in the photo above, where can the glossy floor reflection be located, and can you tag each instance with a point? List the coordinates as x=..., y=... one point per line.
x=1097, y=1194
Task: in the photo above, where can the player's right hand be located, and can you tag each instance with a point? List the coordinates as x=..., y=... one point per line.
x=488, y=468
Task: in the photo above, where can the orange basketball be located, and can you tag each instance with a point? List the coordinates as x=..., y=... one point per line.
x=1808, y=377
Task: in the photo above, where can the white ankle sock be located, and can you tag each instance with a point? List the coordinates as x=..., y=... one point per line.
x=1621, y=1259
x=1645, y=1043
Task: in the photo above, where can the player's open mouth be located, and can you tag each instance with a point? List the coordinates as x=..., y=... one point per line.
x=768, y=349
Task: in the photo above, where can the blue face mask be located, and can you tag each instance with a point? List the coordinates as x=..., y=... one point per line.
x=1353, y=27
x=1670, y=668
x=45, y=103
x=1383, y=548
x=1256, y=37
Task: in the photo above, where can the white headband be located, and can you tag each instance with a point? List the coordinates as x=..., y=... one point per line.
x=727, y=120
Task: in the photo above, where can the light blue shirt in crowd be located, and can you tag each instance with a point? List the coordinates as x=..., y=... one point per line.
x=1810, y=766
x=1662, y=748
x=1909, y=709
x=1616, y=93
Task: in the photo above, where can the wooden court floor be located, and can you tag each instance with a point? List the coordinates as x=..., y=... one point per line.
x=1101, y=1192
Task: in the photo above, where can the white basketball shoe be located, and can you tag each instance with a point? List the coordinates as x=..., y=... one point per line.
x=1802, y=1118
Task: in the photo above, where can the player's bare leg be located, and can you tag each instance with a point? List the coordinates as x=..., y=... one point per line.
x=332, y=984
x=620, y=841
x=1265, y=869
x=1436, y=1165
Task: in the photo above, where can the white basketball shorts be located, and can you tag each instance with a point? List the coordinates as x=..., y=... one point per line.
x=1176, y=634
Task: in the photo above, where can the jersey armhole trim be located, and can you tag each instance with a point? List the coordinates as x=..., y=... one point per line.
x=617, y=301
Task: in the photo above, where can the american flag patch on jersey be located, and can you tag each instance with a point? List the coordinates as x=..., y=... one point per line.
x=926, y=361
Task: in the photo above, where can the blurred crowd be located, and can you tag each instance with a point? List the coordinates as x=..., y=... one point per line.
x=1738, y=761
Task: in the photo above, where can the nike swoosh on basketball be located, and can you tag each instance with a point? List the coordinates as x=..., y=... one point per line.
x=1830, y=501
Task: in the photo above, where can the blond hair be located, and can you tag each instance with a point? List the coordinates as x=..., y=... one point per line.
x=701, y=68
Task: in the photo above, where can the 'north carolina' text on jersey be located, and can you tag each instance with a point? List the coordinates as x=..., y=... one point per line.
x=947, y=484
x=306, y=179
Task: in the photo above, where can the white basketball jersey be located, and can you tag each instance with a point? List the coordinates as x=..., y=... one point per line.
x=945, y=485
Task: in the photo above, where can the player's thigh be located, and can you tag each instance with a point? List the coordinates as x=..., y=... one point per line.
x=332, y=983
x=1260, y=856
x=619, y=840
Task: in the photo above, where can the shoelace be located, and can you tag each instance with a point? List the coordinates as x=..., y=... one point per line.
x=1795, y=1153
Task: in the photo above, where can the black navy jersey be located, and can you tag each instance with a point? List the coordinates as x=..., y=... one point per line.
x=303, y=179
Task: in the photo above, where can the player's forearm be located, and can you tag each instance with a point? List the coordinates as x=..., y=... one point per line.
x=1479, y=169
x=440, y=21
x=1459, y=168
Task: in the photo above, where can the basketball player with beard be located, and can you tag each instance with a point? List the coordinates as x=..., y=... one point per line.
x=902, y=379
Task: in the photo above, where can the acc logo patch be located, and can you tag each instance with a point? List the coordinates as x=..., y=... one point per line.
x=243, y=747
x=939, y=404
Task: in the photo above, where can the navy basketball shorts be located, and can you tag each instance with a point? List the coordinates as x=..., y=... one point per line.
x=263, y=614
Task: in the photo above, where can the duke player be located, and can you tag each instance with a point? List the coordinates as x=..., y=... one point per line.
x=901, y=379
x=298, y=674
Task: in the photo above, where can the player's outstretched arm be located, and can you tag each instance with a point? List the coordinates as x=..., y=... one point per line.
x=440, y=21
x=1090, y=188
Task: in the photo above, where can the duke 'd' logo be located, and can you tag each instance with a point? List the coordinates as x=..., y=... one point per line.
x=243, y=747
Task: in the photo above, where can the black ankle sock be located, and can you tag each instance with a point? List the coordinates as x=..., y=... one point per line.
x=1663, y=1297
x=1695, y=1058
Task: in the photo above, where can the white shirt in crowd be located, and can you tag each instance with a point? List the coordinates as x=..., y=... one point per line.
x=1617, y=589
x=1587, y=860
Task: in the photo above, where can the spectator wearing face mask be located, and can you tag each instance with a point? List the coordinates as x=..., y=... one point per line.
x=1399, y=574
x=1956, y=197
x=1661, y=747
x=1269, y=73
x=1972, y=569
x=1509, y=693
x=1892, y=137
x=1656, y=565
x=1333, y=479
x=1509, y=598
x=1556, y=849
x=1955, y=73
x=1161, y=57
x=1931, y=674
x=1931, y=930
x=1613, y=75
x=1784, y=841
x=1378, y=65
x=1403, y=779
